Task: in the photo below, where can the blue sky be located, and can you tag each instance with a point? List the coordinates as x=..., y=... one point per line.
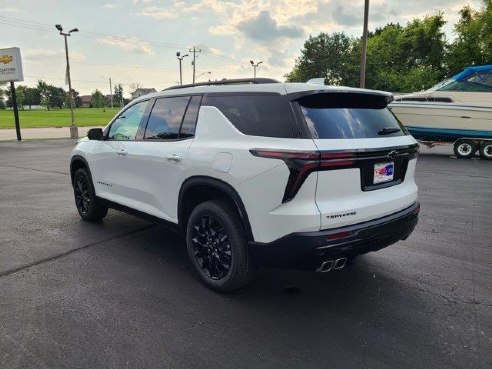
x=135, y=41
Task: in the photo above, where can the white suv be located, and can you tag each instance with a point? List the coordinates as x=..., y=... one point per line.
x=256, y=172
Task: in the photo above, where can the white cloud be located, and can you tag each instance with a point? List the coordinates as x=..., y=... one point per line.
x=109, y=6
x=159, y=13
x=131, y=44
x=39, y=55
x=263, y=27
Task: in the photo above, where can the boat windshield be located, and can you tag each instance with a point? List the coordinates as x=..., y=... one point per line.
x=477, y=82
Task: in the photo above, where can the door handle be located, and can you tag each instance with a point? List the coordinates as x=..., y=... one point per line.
x=122, y=152
x=174, y=158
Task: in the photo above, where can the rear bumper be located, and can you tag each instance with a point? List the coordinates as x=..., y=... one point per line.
x=307, y=250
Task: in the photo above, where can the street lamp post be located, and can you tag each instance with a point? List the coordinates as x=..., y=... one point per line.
x=73, y=128
x=180, y=58
x=255, y=66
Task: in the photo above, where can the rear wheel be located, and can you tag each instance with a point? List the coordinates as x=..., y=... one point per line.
x=217, y=247
x=464, y=148
x=85, y=198
x=486, y=150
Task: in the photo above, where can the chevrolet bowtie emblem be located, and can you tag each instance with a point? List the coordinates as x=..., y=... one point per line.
x=5, y=59
x=392, y=154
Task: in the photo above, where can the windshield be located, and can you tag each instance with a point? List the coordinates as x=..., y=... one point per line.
x=477, y=82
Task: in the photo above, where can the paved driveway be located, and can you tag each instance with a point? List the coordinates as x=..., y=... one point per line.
x=120, y=294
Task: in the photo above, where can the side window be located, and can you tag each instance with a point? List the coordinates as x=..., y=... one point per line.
x=191, y=116
x=125, y=127
x=256, y=115
x=166, y=118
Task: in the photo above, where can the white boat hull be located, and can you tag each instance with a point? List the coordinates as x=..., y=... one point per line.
x=444, y=121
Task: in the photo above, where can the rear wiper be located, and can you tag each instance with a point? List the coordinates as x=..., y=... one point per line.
x=387, y=131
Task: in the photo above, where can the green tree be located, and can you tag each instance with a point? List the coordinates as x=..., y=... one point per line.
x=325, y=56
x=31, y=97
x=399, y=59
x=473, y=43
x=58, y=96
x=44, y=93
x=406, y=59
x=118, y=94
x=98, y=100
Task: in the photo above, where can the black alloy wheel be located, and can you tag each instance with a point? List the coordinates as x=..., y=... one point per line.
x=217, y=246
x=211, y=247
x=82, y=194
x=86, y=201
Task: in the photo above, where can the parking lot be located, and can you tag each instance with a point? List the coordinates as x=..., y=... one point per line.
x=120, y=294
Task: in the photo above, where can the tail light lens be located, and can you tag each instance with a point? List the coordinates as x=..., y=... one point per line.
x=302, y=163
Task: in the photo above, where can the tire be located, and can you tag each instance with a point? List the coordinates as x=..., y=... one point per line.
x=217, y=247
x=464, y=149
x=85, y=197
x=486, y=150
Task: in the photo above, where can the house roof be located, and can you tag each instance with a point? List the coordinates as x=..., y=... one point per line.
x=86, y=98
x=144, y=90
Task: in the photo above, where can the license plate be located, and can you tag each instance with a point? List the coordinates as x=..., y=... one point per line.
x=383, y=172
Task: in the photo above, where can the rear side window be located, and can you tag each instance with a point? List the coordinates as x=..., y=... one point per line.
x=255, y=115
x=166, y=118
x=349, y=116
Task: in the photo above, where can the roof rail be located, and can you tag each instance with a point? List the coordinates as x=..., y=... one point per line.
x=240, y=81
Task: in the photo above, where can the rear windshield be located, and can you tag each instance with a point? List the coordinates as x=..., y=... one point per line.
x=350, y=116
x=255, y=115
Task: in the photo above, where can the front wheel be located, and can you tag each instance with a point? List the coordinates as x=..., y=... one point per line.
x=85, y=197
x=486, y=150
x=217, y=247
x=464, y=148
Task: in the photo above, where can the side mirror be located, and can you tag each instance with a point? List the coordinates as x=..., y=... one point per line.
x=95, y=134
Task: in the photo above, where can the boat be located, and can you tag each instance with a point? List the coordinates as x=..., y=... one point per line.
x=457, y=110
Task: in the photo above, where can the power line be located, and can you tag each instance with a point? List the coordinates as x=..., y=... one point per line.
x=43, y=27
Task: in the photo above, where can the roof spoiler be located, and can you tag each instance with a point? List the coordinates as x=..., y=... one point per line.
x=342, y=99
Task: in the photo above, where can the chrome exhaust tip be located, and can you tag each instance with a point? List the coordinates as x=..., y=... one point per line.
x=325, y=266
x=339, y=263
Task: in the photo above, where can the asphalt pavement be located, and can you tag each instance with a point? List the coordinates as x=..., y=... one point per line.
x=121, y=294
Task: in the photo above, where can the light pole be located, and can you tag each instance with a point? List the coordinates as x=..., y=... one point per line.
x=180, y=58
x=363, y=56
x=73, y=129
x=255, y=66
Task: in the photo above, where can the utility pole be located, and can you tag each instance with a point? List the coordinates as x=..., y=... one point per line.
x=194, y=51
x=255, y=66
x=364, y=46
x=73, y=129
x=111, y=92
x=180, y=58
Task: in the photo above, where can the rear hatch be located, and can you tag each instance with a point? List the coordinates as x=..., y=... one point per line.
x=367, y=157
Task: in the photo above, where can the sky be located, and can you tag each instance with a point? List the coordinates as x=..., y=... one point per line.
x=134, y=42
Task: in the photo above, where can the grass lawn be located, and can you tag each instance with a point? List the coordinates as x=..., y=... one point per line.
x=84, y=117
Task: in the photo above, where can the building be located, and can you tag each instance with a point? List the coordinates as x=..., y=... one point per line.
x=142, y=91
x=86, y=101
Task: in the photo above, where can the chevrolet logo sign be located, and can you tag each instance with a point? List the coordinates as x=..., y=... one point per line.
x=5, y=59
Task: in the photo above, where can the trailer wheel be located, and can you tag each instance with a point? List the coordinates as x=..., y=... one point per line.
x=486, y=150
x=464, y=148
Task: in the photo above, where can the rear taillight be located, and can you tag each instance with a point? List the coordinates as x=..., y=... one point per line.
x=302, y=163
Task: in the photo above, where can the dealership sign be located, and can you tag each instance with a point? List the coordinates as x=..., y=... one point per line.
x=11, y=65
